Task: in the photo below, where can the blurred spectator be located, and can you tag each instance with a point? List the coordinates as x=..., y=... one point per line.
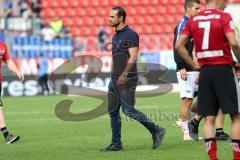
x=47, y=33
x=57, y=25
x=102, y=35
x=2, y=36
x=8, y=9
x=65, y=33
x=238, y=29
x=36, y=9
x=43, y=75
x=78, y=45
x=25, y=8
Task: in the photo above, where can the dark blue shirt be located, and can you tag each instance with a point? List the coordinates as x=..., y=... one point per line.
x=189, y=45
x=123, y=40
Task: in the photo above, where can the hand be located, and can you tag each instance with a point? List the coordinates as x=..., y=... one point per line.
x=237, y=70
x=197, y=78
x=20, y=76
x=122, y=80
x=183, y=74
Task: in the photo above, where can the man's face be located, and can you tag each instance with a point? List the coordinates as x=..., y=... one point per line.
x=193, y=9
x=222, y=4
x=113, y=18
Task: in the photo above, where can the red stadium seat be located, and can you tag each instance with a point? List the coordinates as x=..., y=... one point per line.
x=48, y=13
x=139, y=20
x=63, y=3
x=131, y=10
x=161, y=10
x=52, y=3
x=70, y=12
x=104, y=2
x=151, y=10
x=179, y=9
x=91, y=11
x=163, y=1
x=124, y=2
x=135, y=2
x=159, y=19
x=101, y=12
x=78, y=21
x=149, y=20
x=60, y=12
x=76, y=31
x=73, y=3
x=144, y=39
x=99, y=21
x=88, y=21
x=156, y=29
x=92, y=41
x=67, y=21
x=141, y=10
x=44, y=4
x=83, y=3
x=146, y=29
x=169, y=18
x=81, y=12
x=153, y=2
x=171, y=9
x=145, y=2
x=130, y=20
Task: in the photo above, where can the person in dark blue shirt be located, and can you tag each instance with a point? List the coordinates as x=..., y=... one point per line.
x=124, y=79
x=187, y=78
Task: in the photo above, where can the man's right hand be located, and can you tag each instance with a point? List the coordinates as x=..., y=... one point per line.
x=183, y=74
x=237, y=70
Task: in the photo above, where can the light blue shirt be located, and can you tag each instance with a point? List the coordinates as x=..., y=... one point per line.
x=43, y=67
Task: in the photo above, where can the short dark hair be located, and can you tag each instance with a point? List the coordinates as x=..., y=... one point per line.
x=189, y=3
x=121, y=12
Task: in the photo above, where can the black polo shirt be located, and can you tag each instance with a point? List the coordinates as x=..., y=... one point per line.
x=123, y=40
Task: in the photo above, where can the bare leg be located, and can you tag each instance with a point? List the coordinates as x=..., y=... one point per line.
x=2, y=121
x=219, y=122
x=186, y=103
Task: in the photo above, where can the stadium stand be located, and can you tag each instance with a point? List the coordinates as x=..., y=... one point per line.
x=154, y=20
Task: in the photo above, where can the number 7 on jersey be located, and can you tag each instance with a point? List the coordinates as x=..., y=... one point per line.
x=206, y=26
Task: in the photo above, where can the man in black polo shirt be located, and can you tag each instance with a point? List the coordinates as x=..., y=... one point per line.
x=124, y=80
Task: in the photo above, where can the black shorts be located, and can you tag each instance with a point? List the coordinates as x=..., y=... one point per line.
x=1, y=104
x=218, y=88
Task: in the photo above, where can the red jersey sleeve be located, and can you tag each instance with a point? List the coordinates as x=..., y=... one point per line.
x=6, y=55
x=227, y=23
x=187, y=30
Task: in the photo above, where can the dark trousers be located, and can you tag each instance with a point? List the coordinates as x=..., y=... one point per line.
x=43, y=83
x=125, y=96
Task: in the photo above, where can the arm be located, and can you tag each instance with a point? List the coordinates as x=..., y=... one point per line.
x=133, y=52
x=234, y=44
x=180, y=47
x=11, y=65
x=236, y=50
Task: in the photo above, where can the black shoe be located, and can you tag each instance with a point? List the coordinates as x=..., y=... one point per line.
x=222, y=136
x=193, y=131
x=158, y=137
x=11, y=138
x=113, y=147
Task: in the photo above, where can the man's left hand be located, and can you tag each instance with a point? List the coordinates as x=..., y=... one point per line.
x=122, y=80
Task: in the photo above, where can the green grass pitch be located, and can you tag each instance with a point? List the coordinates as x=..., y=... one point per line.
x=45, y=137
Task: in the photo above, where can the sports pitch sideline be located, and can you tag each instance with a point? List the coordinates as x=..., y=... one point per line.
x=44, y=136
